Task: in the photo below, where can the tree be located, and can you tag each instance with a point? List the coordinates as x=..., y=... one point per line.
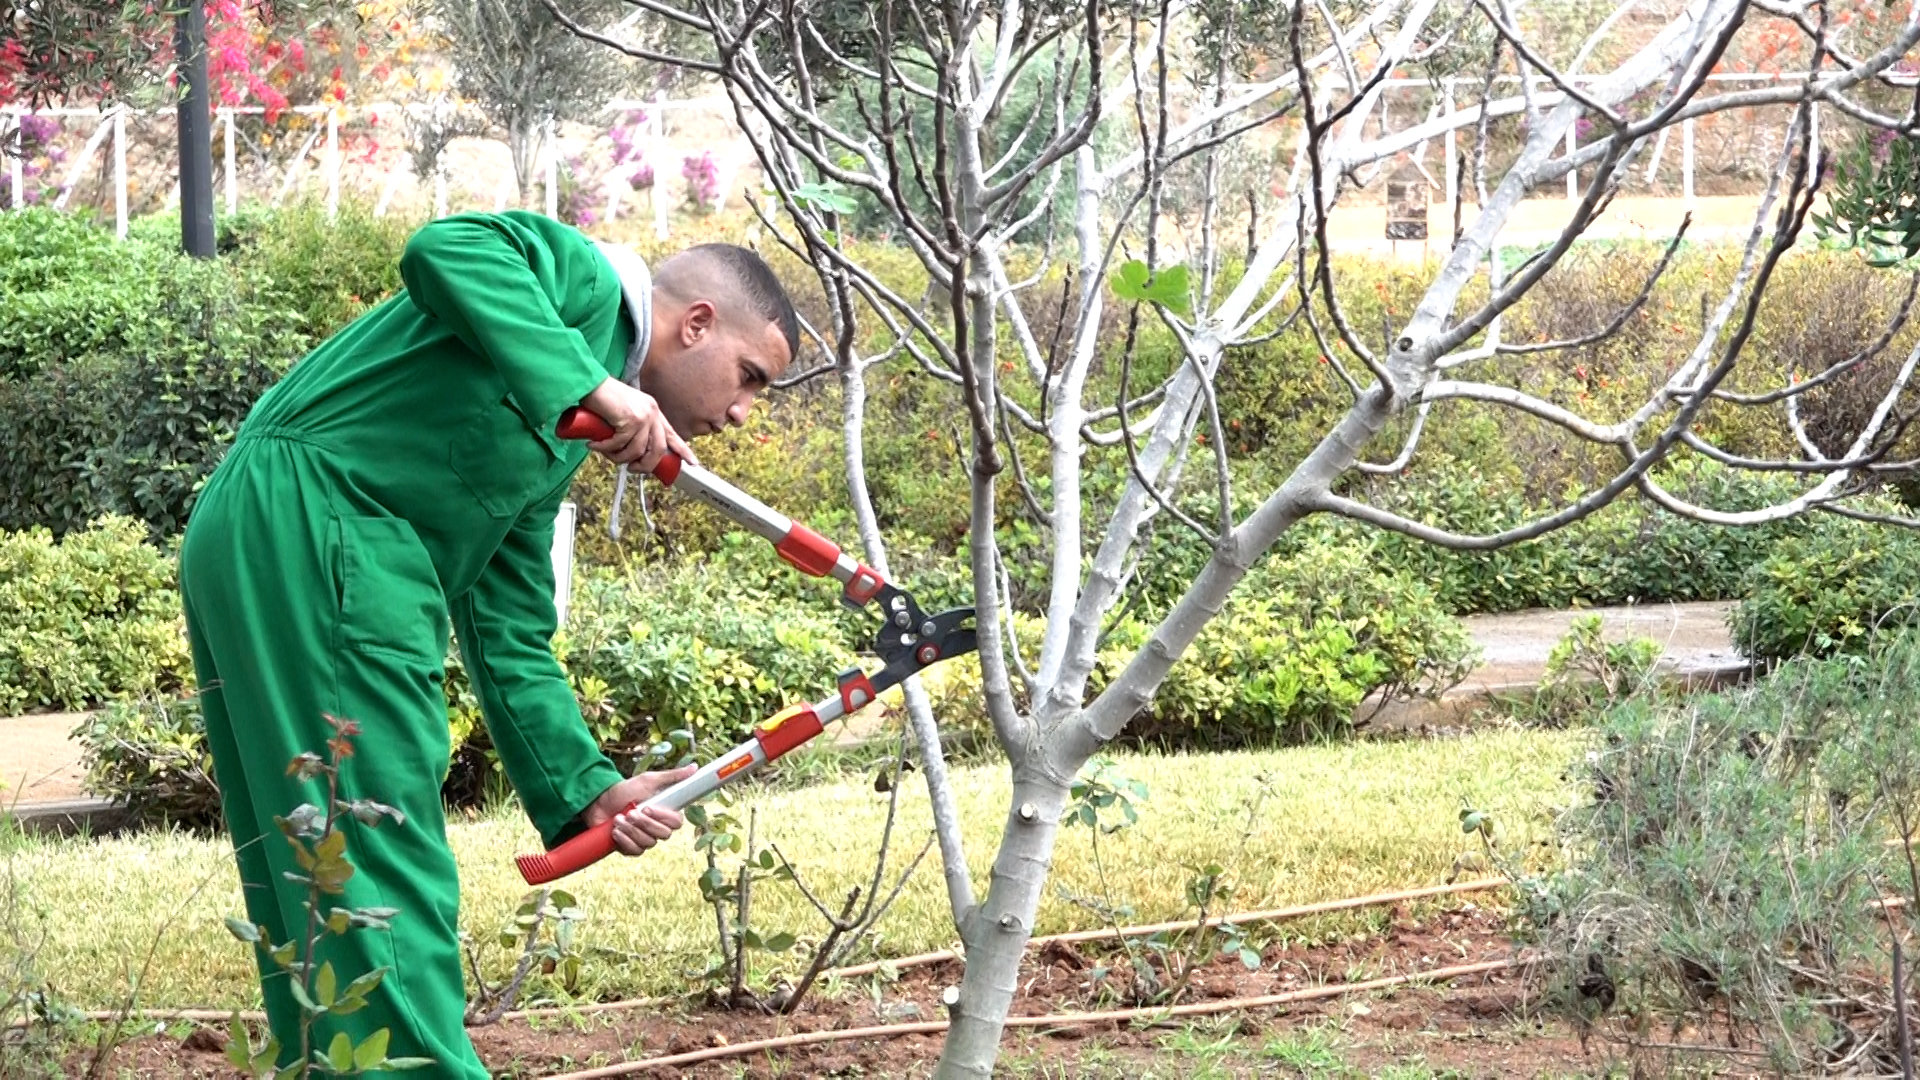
x=523, y=69
x=1163, y=70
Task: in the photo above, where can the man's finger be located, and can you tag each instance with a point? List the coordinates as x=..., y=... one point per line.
x=667, y=819
x=623, y=841
x=651, y=827
x=678, y=445
x=637, y=837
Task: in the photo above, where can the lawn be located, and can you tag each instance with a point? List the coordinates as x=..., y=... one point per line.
x=1339, y=820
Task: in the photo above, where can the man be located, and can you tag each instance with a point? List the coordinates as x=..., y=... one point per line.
x=407, y=469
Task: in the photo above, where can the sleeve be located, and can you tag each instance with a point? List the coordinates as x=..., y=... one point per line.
x=505, y=627
x=504, y=284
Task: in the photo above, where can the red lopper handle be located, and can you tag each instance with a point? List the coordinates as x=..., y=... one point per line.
x=576, y=854
x=579, y=423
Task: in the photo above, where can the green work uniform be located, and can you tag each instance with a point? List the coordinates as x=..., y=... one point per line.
x=404, y=470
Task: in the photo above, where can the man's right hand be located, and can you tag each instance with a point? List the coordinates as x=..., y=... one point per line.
x=641, y=435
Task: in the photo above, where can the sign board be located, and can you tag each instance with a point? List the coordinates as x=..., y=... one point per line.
x=1406, y=204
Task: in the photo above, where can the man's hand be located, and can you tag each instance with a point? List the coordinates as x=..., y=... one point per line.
x=635, y=832
x=641, y=435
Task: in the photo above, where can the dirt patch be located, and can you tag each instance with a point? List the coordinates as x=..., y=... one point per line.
x=1488, y=1025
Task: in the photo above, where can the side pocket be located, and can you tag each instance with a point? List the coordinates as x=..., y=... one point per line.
x=390, y=598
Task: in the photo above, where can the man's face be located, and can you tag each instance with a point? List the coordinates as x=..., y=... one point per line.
x=708, y=371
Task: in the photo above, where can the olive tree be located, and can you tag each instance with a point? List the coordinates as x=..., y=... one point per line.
x=1173, y=86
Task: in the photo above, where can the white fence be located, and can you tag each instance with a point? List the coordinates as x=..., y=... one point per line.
x=323, y=162
x=482, y=176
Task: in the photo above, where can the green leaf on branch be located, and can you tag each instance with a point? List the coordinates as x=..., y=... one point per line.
x=1168, y=288
x=373, y=1051
x=825, y=196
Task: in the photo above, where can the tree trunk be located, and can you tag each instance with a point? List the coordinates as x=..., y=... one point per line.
x=996, y=937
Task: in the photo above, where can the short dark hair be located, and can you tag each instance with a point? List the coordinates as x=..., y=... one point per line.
x=755, y=282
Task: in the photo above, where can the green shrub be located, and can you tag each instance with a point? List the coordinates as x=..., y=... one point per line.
x=129, y=417
x=151, y=755
x=1298, y=647
x=1829, y=590
x=1723, y=859
x=90, y=618
x=325, y=269
x=647, y=653
x=1628, y=552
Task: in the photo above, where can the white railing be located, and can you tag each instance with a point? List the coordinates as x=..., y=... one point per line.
x=328, y=123
x=333, y=167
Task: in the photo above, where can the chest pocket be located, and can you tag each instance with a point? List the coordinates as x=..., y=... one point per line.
x=500, y=461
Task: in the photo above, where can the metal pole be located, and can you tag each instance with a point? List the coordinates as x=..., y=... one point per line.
x=553, y=170
x=1813, y=145
x=196, y=138
x=1453, y=152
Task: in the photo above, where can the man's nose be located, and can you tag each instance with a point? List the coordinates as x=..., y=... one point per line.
x=737, y=412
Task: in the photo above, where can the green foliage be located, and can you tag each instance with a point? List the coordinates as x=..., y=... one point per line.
x=1300, y=644
x=1586, y=672
x=320, y=849
x=1829, y=590
x=691, y=650
x=1872, y=208
x=151, y=756
x=1726, y=854
x=326, y=269
x=90, y=618
x=124, y=375
x=1627, y=552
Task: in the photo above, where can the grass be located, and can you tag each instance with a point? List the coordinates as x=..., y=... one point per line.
x=1343, y=820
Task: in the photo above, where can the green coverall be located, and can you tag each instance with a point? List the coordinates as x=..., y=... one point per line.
x=404, y=470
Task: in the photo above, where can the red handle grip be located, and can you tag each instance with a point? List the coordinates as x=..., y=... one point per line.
x=576, y=854
x=579, y=423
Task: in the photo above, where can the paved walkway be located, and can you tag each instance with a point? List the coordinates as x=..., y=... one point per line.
x=40, y=764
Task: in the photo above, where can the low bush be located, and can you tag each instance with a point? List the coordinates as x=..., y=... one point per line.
x=647, y=653
x=158, y=359
x=1724, y=862
x=89, y=618
x=1829, y=590
x=151, y=755
x=1297, y=649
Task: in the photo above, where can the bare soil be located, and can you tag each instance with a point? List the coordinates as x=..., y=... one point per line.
x=1487, y=1026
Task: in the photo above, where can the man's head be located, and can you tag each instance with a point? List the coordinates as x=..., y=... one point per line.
x=723, y=329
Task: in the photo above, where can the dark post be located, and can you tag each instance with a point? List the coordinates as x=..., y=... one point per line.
x=196, y=133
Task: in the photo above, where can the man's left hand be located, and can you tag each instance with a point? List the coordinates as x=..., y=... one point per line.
x=640, y=829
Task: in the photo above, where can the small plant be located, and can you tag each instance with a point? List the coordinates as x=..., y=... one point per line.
x=555, y=955
x=321, y=850
x=1586, y=672
x=732, y=899
x=1163, y=963
x=1735, y=863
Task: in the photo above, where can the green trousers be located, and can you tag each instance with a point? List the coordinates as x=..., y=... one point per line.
x=300, y=605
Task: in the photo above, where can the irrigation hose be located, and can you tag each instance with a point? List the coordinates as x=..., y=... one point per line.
x=901, y=964
x=1058, y=1020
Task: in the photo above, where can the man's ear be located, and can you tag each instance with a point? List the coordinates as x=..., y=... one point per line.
x=697, y=322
